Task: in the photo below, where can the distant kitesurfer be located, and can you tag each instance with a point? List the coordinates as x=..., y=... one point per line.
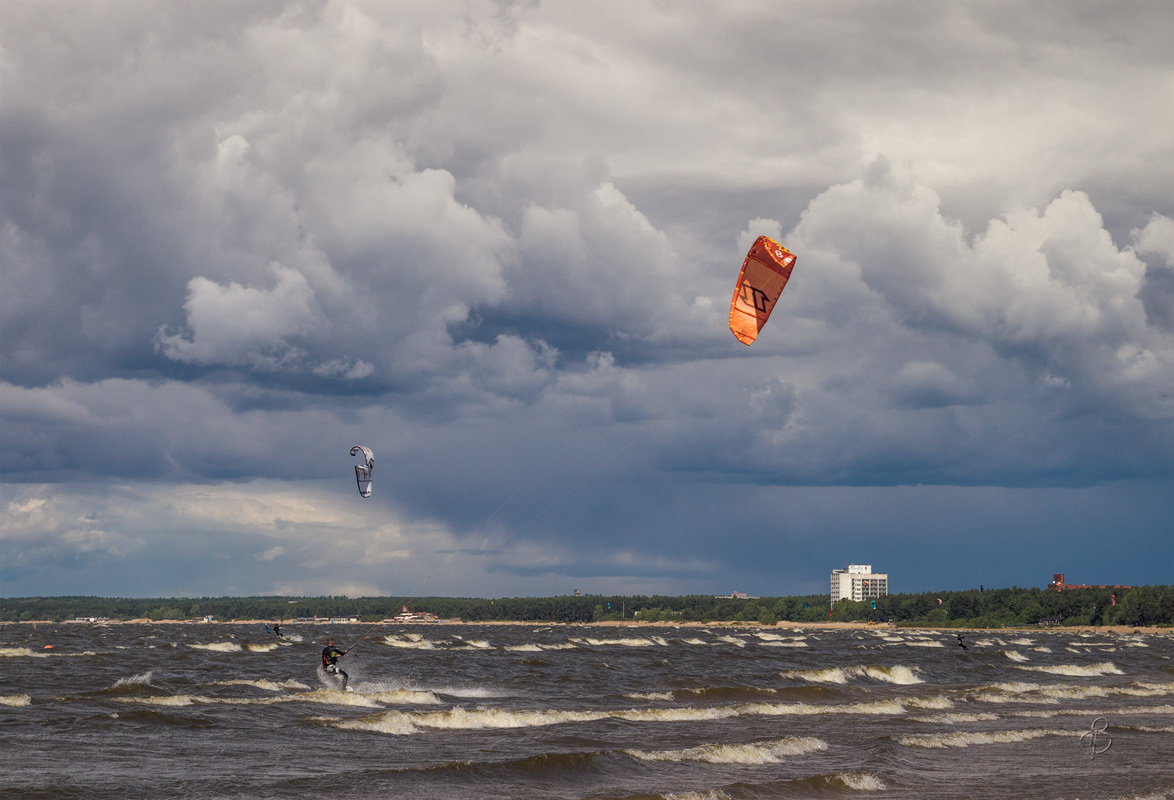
x=960, y=642
x=277, y=629
x=330, y=657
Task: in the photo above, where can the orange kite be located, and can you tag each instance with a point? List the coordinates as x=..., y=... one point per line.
x=764, y=273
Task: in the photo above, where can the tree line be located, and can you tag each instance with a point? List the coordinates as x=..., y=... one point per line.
x=971, y=608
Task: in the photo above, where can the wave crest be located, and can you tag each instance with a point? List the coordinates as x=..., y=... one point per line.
x=768, y=752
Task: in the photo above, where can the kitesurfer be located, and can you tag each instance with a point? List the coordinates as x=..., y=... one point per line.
x=330, y=657
x=960, y=642
x=277, y=629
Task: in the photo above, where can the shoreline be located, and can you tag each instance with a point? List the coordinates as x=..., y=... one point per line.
x=783, y=624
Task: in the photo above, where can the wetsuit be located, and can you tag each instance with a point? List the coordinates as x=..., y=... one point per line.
x=330, y=657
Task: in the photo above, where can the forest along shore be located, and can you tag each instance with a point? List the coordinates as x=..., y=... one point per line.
x=1115, y=629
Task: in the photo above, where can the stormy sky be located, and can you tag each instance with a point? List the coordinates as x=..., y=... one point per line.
x=496, y=243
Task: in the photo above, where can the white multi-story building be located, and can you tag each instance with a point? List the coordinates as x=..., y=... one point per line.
x=858, y=582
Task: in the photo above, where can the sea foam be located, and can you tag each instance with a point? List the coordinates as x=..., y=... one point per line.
x=751, y=753
x=898, y=674
x=411, y=641
x=267, y=685
x=21, y=652
x=861, y=781
x=967, y=739
x=1079, y=670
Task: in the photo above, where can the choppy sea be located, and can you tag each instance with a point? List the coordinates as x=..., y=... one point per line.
x=460, y=711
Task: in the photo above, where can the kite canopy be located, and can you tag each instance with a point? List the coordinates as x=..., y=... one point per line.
x=764, y=273
x=363, y=471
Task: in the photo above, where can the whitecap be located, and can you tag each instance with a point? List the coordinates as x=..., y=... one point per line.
x=260, y=648
x=142, y=679
x=877, y=707
x=649, y=695
x=898, y=674
x=21, y=652
x=957, y=717
x=267, y=685
x=475, y=644
x=1078, y=670
x=409, y=642
x=709, y=794
x=748, y=754
x=470, y=691
x=861, y=781
x=969, y=738
x=938, y=702
x=682, y=714
x=169, y=700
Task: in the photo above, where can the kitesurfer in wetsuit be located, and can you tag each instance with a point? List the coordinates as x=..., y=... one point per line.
x=960, y=642
x=330, y=657
x=277, y=630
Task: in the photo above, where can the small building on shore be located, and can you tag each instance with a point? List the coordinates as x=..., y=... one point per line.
x=413, y=616
x=858, y=582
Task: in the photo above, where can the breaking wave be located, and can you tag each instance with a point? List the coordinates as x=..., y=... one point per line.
x=968, y=739
x=628, y=642
x=21, y=652
x=649, y=696
x=142, y=679
x=1079, y=671
x=15, y=700
x=898, y=674
x=267, y=685
x=955, y=718
x=860, y=781
x=539, y=648
x=407, y=722
x=409, y=641
x=769, y=752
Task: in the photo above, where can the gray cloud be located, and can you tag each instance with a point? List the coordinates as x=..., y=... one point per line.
x=498, y=246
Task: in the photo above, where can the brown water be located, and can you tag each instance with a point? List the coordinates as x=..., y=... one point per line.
x=227, y=711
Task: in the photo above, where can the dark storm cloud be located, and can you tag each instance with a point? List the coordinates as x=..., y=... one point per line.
x=497, y=246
